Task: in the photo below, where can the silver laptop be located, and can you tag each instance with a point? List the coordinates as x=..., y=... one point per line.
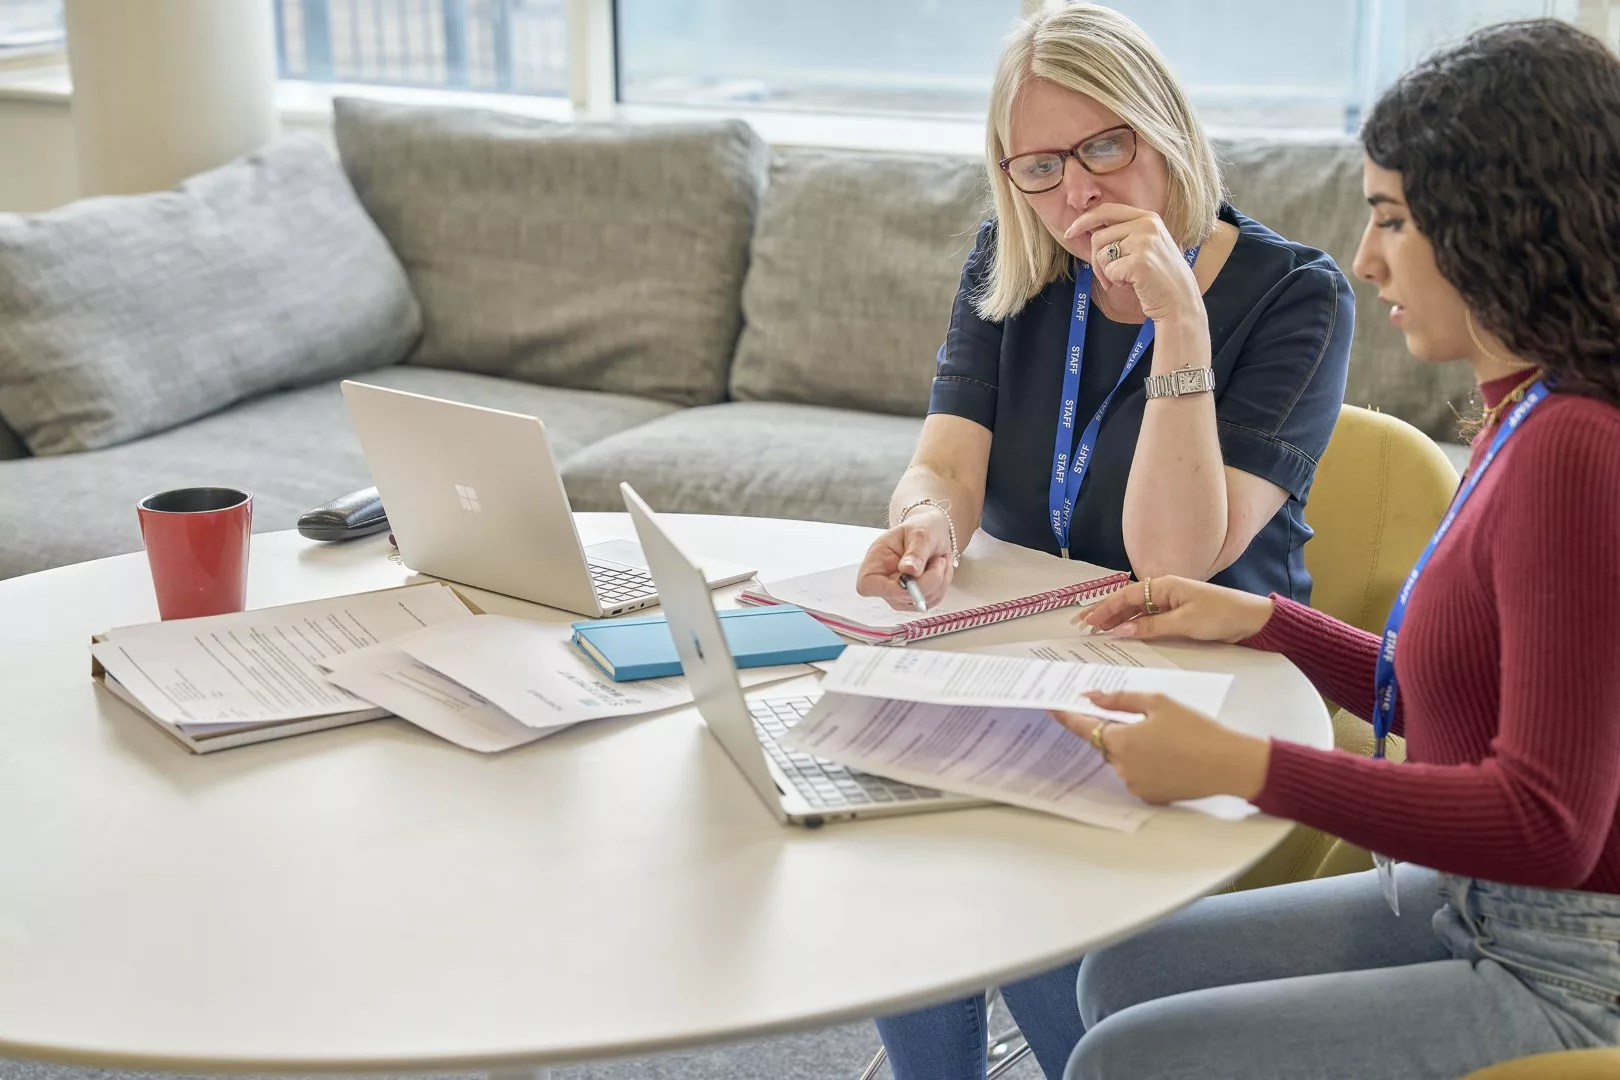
x=798, y=788
x=473, y=495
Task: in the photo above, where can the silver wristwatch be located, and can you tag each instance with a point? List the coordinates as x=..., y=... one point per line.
x=1182, y=381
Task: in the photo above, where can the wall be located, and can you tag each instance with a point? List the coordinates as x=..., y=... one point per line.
x=38, y=167
x=164, y=89
x=38, y=161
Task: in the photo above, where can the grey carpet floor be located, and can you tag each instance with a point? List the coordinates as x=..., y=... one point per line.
x=838, y=1053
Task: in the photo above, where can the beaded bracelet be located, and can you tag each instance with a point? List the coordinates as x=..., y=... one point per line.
x=944, y=507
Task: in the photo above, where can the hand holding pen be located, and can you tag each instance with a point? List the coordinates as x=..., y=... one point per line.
x=909, y=566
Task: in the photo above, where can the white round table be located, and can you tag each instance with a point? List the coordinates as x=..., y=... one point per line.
x=373, y=898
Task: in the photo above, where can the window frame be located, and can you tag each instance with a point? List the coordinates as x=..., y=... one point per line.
x=594, y=78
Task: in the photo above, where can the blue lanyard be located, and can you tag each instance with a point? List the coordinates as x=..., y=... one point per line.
x=1066, y=475
x=1384, y=672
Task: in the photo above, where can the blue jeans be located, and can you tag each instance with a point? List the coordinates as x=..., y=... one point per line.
x=1320, y=980
x=948, y=1042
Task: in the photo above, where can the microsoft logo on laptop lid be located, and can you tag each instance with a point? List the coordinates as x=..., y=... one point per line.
x=468, y=497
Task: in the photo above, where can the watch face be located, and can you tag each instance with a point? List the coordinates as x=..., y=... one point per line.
x=1189, y=380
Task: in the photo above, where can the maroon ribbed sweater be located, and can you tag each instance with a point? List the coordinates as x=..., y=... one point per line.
x=1509, y=671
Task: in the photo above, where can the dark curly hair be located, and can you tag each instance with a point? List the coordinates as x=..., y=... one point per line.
x=1508, y=146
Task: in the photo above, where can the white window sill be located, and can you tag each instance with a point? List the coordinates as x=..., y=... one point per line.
x=307, y=102
x=45, y=83
x=311, y=102
x=306, y=105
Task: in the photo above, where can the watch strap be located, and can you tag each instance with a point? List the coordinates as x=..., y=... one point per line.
x=1181, y=382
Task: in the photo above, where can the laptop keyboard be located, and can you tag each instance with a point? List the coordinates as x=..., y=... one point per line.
x=821, y=783
x=617, y=585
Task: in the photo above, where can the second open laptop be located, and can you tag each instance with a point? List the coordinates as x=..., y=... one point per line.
x=473, y=495
x=797, y=788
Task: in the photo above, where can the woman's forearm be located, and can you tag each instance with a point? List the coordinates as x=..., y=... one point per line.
x=927, y=481
x=1176, y=512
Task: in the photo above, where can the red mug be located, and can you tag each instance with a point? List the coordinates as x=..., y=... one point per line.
x=197, y=544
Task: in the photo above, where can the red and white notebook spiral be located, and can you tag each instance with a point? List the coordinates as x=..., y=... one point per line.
x=995, y=582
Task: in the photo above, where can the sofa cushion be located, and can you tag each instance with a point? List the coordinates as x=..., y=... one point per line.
x=855, y=262
x=124, y=316
x=596, y=256
x=293, y=450
x=1310, y=192
x=755, y=458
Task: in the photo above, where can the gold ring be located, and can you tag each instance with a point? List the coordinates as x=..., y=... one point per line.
x=1113, y=251
x=1097, y=740
x=1147, y=597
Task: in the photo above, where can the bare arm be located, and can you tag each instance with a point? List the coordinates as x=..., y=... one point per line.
x=950, y=463
x=1186, y=513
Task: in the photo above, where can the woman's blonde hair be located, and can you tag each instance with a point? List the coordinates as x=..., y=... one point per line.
x=1100, y=53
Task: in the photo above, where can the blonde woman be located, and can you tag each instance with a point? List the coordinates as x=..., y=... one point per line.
x=1191, y=455
x=1135, y=374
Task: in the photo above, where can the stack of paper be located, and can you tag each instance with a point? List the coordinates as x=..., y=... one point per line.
x=229, y=680
x=421, y=653
x=977, y=724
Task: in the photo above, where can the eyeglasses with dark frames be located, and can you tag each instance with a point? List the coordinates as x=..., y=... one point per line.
x=1100, y=154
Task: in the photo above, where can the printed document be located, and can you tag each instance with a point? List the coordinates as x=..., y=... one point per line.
x=264, y=666
x=1090, y=649
x=532, y=672
x=1093, y=649
x=1017, y=756
x=1018, y=682
x=390, y=678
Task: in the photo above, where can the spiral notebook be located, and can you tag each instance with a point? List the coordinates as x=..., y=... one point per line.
x=995, y=582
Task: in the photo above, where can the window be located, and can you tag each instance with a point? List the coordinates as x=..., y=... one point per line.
x=30, y=28
x=507, y=46
x=1259, y=64
x=930, y=56
x=1246, y=63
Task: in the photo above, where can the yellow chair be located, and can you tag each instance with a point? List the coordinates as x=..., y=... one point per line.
x=1380, y=490
x=1563, y=1065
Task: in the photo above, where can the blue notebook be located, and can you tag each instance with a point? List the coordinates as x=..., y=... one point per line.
x=628, y=649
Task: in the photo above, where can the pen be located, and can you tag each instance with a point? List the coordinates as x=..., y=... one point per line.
x=910, y=586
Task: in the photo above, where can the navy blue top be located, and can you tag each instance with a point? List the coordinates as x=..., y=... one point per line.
x=1280, y=320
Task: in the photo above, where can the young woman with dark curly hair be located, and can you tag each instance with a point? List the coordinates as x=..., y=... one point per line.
x=1493, y=177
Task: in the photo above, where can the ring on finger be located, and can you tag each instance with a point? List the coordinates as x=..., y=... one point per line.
x=1147, y=597
x=1097, y=739
x=1113, y=251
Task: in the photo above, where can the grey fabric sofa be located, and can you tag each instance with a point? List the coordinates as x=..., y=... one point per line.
x=733, y=329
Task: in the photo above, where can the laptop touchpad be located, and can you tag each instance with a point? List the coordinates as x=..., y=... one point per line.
x=620, y=552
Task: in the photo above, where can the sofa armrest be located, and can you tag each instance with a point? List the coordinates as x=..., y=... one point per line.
x=1601, y=1064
